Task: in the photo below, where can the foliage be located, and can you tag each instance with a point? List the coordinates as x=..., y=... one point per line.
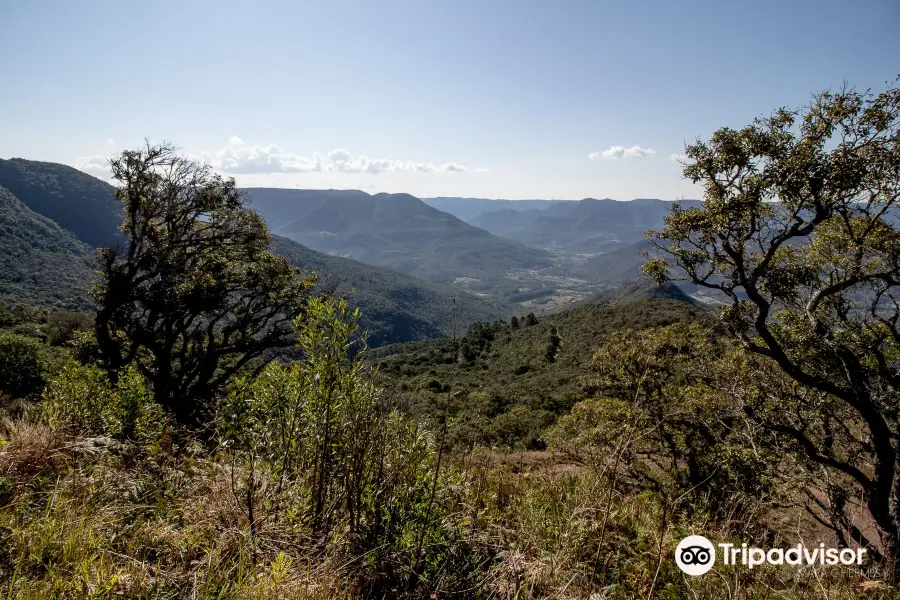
x=798, y=231
x=22, y=365
x=195, y=296
x=316, y=434
x=63, y=325
x=81, y=399
x=509, y=368
x=664, y=415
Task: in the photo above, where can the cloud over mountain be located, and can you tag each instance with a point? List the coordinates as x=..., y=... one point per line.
x=617, y=152
x=241, y=158
x=98, y=166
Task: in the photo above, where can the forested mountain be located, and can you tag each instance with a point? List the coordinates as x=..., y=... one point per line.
x=617, y=266
x=393, y=230
x=47, y=258
x=76, y=201
x=469, y=208
x=587, y=226
x=40, y=262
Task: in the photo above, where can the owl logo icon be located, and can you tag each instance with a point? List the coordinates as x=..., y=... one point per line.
x=695, y=555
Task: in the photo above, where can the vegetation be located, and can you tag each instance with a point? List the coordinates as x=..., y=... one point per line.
x=500, y=389
x=195, y=298
x=798, y=231
x=560, y=456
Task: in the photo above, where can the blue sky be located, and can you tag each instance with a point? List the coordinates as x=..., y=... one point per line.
x=486, y=98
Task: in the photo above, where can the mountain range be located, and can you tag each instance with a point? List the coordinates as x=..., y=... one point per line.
x=586, y=226
x=469, y=208
x=57, y=215
x=393, y=230
x=416, y=271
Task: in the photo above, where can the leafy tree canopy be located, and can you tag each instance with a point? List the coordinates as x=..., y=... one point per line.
x=798, y=230
x=194, y=296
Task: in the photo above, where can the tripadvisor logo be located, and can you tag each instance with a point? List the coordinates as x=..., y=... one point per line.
x=696, y=555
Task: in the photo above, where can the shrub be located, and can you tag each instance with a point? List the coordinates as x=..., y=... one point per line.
x=63, y=324
x=83, y=399
x=22, y=362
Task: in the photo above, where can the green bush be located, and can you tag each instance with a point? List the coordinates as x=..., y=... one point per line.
x=62, y=325
x=22, y=365
x=83, y=399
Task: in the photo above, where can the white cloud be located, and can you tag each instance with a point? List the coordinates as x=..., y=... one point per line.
x=238, y=157
x=679, y=157
x=241, y=158
x=98, y=166
x=617, y=152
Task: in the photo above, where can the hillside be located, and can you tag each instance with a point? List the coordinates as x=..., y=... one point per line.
x=586, y=226
x=395, y=307
x=76, y=201
x=392, y=230
x=617, y=266
x=40, y=262
x=505, y=390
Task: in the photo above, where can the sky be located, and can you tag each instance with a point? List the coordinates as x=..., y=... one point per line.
x=481, y=98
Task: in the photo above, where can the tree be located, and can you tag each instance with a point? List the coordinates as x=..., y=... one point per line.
x=530, y=320
x=514, y=323
x=661, y=409
x=193, y=297
x=553, y=342
x=797, y=233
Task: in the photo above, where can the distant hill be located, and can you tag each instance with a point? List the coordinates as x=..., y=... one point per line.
x=395, y=307
x=469, y=208
x=641, y=289
x=616, y=266
x=75, y=200
x=585, y=226
x=394, y=230
x=40, y=262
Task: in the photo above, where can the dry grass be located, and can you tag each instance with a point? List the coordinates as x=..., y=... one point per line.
x=125, y=522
